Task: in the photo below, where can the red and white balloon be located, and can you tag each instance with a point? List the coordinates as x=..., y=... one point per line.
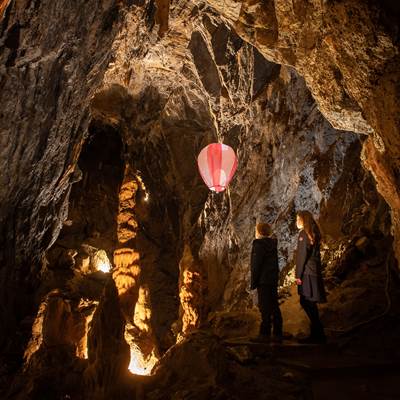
x=217, y=164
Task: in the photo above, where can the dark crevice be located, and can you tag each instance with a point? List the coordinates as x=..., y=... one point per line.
x=5, y=19
x=12, y=42
x=94, y=199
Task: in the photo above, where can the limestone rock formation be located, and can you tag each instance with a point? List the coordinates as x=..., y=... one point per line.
x=108, y=353
x=302, y=163
x=52, y=363
x=112, y=247
x=220, y=373
x=348, y=54
x=192, y=293
x=43, y=68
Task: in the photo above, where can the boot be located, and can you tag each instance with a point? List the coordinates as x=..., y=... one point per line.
x=317, y=336
x=261, y=339
x=313, y=340
x=277, y=335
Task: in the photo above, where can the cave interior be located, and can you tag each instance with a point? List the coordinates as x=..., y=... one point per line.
x=122, y=275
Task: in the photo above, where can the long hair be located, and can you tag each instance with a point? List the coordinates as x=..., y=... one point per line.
x=310, y=227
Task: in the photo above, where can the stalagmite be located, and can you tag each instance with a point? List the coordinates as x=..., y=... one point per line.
x=191, y=293
x=135, y=300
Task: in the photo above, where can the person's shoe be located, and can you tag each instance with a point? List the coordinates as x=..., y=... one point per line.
x=306, y=340
x=320, y=340
x=313, y=340
x=261, y=339
x=286, y=336
x=277, y=338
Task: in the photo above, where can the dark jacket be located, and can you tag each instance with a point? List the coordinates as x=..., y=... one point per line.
x=309, y=269
x=264, y=262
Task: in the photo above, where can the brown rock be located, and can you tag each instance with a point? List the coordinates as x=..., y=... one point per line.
x=348, y=54
x=108, y=353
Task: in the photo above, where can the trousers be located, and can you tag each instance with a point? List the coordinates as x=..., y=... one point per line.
x=311, y=309
x=269, y=308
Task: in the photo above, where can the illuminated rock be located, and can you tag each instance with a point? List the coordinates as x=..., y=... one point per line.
x=101, y=261
x=191, y=293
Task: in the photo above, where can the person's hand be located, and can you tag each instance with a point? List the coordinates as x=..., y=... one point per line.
x=298, y=281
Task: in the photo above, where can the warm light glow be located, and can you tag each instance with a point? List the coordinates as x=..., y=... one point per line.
x=190, y=293
x=142, y=314
x=86, y=309
x=143, y=187
x=139, y=336
x=127, y=270
x=104, y=267
x=138, y=364
x=101, y=262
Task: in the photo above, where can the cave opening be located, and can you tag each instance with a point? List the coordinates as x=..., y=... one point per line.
x=79, y=262
x=89, y=233
x=93, y=203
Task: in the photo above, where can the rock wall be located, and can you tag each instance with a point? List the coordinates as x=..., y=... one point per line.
x=348, y=54
x=43, y=121
x=165, y=79
x=107, y=349
x=301, y=162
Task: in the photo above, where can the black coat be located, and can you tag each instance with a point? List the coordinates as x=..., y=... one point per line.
x=264, y=262
x=309, y=269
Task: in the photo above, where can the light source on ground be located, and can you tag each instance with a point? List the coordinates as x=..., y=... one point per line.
x=139, y=336
x=142, y=349
x=101, y=261
x=140, y=365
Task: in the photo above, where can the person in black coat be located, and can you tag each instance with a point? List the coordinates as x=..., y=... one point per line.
x=264, y=278
x=309, y=275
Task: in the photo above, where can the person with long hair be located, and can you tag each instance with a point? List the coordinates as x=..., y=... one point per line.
x=264, y=278
x=309, y=274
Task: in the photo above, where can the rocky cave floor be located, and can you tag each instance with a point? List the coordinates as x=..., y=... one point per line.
x=207, y=367
x=220, y=361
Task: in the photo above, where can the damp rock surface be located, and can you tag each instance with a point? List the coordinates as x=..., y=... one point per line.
x=114, y=255
x=348, y=54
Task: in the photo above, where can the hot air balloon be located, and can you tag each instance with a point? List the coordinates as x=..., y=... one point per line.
x=217, y=164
